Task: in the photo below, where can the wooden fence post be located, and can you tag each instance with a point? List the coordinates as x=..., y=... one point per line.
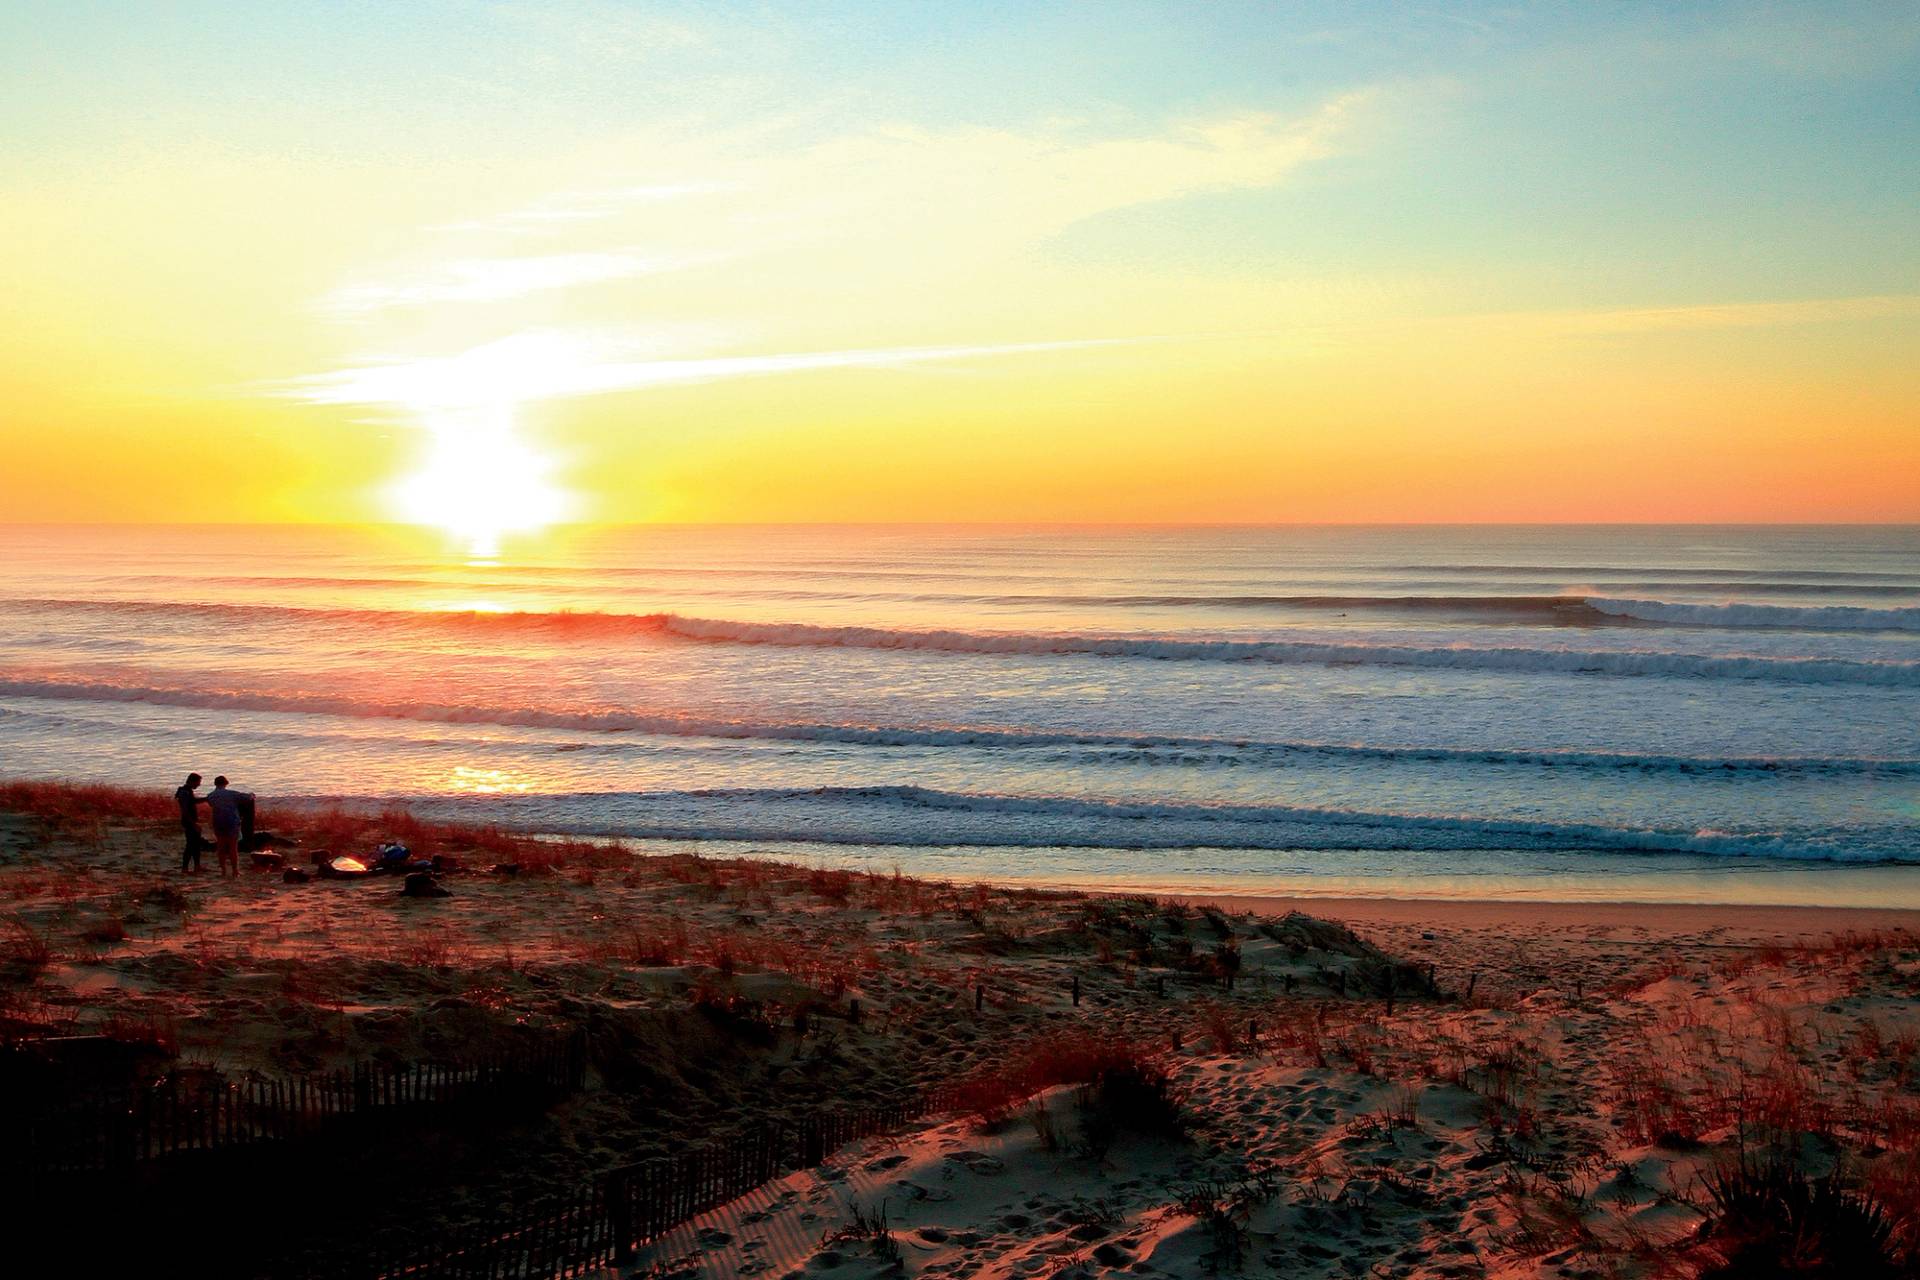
x=812, y=1145
x=620, y=1210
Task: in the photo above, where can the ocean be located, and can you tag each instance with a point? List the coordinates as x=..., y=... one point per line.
x=1691, y=713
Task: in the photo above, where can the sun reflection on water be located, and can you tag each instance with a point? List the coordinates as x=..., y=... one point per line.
x=486, y=782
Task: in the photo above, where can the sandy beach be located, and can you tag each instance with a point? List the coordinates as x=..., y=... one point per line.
x=1386, y=1087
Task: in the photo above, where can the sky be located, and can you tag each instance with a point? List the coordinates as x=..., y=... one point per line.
x=494, y=265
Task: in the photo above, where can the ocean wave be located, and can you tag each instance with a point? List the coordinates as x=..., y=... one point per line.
x=1676, y=573
x=1549, y=607
x=1877, y=673
x=1558, y=608
x=1518, y=589
x=1792, y=617
x=1217, y=749
x=1872, y=673
x=558, y=622
x=1619, y=662
x=920, y=816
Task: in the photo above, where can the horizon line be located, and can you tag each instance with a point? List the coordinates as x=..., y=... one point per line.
x=986, y=524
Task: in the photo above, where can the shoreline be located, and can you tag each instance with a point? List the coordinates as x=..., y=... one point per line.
x=1640, y=917
x=1614, y=882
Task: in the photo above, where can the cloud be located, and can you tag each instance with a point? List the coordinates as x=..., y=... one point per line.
x=886, y=193
x=495, y=279
x=545, y=366
x=563, y=209
x=893, y=228
x=965, y=193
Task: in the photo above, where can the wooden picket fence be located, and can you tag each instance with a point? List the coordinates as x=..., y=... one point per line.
x=606, y=1222
x=106, y=1130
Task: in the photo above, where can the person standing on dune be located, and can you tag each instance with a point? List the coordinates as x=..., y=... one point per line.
x=189, y=803
x=225, y=806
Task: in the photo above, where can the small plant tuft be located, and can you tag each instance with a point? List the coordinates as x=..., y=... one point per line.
x=1773, y=1219
x=869, y=1226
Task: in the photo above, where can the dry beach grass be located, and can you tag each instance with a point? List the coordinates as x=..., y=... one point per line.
x=1148, y=1086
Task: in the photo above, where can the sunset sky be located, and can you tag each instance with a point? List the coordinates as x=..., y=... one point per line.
x=1114, y=261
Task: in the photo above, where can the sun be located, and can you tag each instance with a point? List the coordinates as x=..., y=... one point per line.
x=480, y=481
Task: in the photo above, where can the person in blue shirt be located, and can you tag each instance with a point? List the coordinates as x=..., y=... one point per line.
x=224, y=806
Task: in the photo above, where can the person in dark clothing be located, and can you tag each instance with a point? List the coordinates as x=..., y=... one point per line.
x=190, y=821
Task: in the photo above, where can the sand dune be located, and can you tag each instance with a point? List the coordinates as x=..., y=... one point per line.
x=1547, y=1090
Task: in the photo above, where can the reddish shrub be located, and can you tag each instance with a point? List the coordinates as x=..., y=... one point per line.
x=1652, y=1107
x=834, y=886
x=1071, y=1058
x=106, y=931
x=65, y=804
x=23, y=947
x=150, y=1030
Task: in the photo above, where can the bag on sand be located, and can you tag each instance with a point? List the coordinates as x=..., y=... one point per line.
x=420, y=885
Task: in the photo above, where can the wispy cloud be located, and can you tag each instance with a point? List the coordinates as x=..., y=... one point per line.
x=881, y=194
x=929, y=212
x=546, y=366
x=496, y=279
x=970, y=191
x=565, y=209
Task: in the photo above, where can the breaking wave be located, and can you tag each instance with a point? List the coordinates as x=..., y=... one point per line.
x=1216, y=750
x=1623, y=662
x=1566, y=609
x=1790, y=617
x=1895, y=674
x=920, y=816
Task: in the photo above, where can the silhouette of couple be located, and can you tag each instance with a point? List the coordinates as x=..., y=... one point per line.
x=232, y=814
